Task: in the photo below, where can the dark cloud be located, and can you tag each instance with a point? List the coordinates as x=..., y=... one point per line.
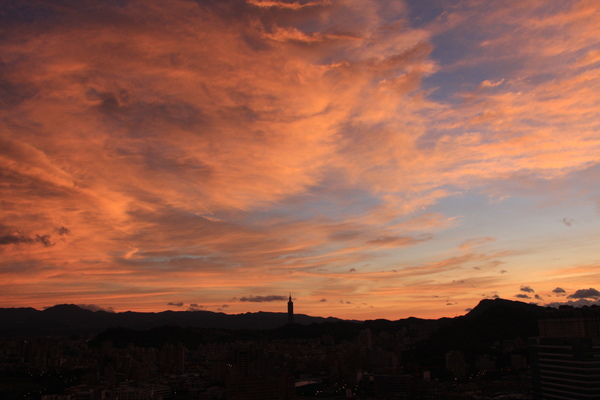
x=503, y=271
x=262, y=299
x=177, y=304
x=537, y=296
x=558, y=290
x=93, y=307
x=468, y=309
x=44, y=239
x=62, y=231
x=195, y=307
x=18, y=238
x=352, y=270
x=322, y=300
x=522, y=296
x=14, y=236
x=590, y=293
x=568, y=221
x=527, y=289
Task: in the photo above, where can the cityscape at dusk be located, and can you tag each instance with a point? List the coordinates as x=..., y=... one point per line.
x=365, y=158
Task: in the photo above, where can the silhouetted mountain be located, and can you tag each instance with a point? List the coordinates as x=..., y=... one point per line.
x=488, y=328
x=489, y=322
x=70, y=319
x=487, y=305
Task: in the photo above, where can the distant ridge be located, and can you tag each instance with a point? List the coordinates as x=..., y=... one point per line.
x=71, y=319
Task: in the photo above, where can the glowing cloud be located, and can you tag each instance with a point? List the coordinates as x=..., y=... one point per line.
x=202, y=150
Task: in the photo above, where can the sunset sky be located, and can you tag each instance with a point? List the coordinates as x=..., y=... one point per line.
x=375, y=159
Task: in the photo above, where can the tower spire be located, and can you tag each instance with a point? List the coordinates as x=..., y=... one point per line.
x=290, y=310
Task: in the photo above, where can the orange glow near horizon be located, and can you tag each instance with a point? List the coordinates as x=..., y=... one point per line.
x=377, y=159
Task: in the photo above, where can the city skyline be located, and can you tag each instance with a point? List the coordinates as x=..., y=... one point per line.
x=376, y=159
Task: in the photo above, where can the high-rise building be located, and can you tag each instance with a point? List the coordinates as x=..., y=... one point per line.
x=257, y=374
x=565, y=358
x=456, y=364
x=290, y=310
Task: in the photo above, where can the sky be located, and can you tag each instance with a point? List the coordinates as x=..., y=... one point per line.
x=372, y=159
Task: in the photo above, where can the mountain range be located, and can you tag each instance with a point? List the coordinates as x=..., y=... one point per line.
x=71, y=319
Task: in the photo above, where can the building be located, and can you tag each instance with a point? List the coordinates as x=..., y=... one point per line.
x=456, y=364
x=290, y=310
x=565, y=358
x=258, y=374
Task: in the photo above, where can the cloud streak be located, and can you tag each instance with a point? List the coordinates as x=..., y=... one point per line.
x=262, y=299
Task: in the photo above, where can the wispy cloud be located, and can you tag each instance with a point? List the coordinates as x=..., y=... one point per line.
x=262, y=299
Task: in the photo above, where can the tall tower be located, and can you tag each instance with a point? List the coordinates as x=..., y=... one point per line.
x=290, y=310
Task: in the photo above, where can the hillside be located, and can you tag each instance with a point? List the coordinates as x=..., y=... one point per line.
x=71, y=319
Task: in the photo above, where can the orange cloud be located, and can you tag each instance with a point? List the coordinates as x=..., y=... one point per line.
x=214, y=148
